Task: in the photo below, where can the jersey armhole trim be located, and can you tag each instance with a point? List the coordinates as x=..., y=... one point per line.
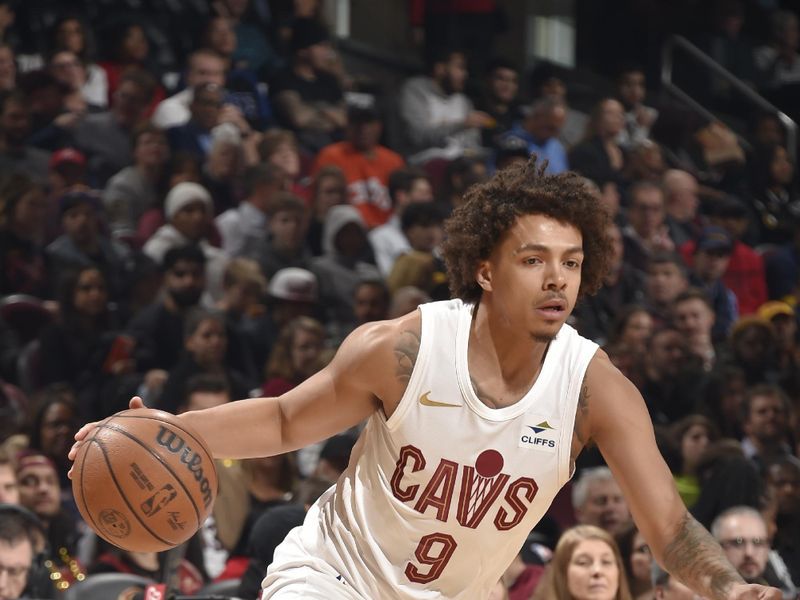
x=586, y=355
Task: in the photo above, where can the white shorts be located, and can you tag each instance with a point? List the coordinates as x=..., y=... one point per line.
x=306, y=583
x=294, y=574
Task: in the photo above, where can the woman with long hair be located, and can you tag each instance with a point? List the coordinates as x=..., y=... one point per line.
x=586, y=565
x=637, y=560
x=85, y=347
x=691, y=436
x=297, y=354
x=774, y=194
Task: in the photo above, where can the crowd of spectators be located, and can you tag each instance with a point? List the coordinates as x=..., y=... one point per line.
x=199, y=202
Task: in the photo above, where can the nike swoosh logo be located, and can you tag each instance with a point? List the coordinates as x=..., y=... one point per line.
x=426, y=401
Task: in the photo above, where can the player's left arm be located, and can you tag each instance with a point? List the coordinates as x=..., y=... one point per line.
x=612, y=412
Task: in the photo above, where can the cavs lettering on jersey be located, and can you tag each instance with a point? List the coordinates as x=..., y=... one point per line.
x=438, y=499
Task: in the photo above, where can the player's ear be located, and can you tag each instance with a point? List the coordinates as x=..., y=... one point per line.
x=483, y=276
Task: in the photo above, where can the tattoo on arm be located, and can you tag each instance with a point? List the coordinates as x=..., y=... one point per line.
x=695, y=558
x=406, y=352
x=582, y=415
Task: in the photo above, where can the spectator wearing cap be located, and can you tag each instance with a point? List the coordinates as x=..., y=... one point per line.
x=16, y=155
x=285, y=243
x=365, y=163
x=710, y=261
x=66, y=168
x=137, y=188
x=510, y=151
x=292, y=292
x=783, y=319
x=342, y=266
x=745, y=275
x=242, y=226
x=500, y=99
x=106, y=137
x=539, y=130
x=83, y=244
x=308, y=99
x=439, y=120
x=188, y=210
x=407, y=186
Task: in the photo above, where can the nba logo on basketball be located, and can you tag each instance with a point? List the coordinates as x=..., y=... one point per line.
x=541, y=436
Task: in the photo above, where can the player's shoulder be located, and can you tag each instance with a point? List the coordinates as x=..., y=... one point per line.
x=374, y=340
x=603, y=379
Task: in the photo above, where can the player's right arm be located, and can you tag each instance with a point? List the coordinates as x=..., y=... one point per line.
x=362, y=377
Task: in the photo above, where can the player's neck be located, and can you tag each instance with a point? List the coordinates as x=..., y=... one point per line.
x=514, y=356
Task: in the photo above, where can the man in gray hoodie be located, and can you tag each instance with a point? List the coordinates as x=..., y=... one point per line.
x=342, y=266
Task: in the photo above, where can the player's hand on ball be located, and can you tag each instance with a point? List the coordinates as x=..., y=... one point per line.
x=136, y=402
x=747, y=591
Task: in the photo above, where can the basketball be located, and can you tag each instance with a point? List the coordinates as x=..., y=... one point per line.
x=144, y=481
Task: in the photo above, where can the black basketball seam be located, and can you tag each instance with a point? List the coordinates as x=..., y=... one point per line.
x=125, y=499
x=164, y=464
x=83, y=496
x=171, y=424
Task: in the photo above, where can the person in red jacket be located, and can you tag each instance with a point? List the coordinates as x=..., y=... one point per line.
x=745, y=275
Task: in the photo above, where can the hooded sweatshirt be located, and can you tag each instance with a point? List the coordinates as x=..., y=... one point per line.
x=339, y=275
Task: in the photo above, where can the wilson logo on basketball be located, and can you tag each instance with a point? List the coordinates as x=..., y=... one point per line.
x=193, y=461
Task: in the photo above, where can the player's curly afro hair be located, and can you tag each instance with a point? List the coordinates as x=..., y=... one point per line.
x=491, y=208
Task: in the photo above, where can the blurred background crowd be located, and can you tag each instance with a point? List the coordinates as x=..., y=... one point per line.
x=199, y=200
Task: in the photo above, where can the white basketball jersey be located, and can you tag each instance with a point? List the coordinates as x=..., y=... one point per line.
x=438, y=499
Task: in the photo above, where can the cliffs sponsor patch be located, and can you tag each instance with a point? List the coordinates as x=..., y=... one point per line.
x=538, y=435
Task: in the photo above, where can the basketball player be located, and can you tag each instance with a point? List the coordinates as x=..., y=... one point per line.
x=477, y=409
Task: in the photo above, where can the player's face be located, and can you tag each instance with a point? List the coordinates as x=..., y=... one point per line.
x=743, y=537
x=15, y=562
x=533, y=275
x=592, y=573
